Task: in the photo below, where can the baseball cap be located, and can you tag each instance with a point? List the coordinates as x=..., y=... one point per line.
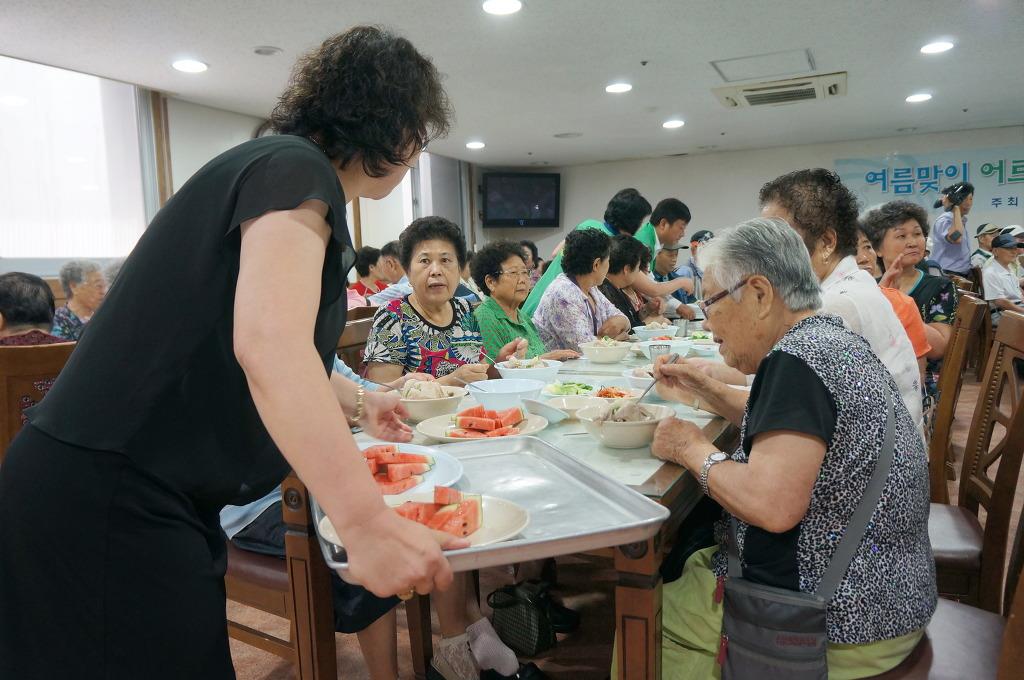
x=678, y=245
x=1013, y=230
x=988, y=228
x=702, y=236
x=1006, y=241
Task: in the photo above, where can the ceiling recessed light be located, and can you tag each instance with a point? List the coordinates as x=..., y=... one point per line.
x=189, y=66
x=919, y=97
x=475, y=145
x=673, y=124
x=12, y=100
x=937, y=47
x=567, y=135
x=502, y=7
x=618, y=88
x=267, y=50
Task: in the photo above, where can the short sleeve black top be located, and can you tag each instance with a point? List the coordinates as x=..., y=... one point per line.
x=155, y=376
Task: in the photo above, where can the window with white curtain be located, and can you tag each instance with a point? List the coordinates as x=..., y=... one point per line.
x=71, y=181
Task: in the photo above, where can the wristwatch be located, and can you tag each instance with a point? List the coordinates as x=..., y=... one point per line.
x=714, y=458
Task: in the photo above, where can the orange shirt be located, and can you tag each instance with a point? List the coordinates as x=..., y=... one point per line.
x=908, y=314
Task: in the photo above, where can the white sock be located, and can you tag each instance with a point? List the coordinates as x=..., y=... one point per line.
x=489, y=650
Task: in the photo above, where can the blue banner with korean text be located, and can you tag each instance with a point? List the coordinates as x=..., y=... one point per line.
x=997, y=175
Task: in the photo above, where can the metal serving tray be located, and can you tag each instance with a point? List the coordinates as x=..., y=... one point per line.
x=572, y=507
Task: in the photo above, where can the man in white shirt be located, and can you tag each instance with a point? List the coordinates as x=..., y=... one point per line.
x=390, y=265
x=1002, y=287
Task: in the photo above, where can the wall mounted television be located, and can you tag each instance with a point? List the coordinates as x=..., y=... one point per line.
x=521, y=199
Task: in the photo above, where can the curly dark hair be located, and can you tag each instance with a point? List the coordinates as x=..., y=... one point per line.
x=366, y=257
x=671, y=209
x=877, y=221
x=429, y=229
x=626, y=252
x=582, y=247
x=25, y=300
x=368, y=94
x=626, y=211
x=489, y=259
x=819, y=201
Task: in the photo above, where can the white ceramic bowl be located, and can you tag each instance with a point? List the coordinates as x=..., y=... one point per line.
x=547, y=373
x=421, y=409
x=637, y=381
x=680, y=346
x=573, y=403
x=645, y=333
x=623, y=435
x=505, y=393
x=704, y=350
x=605, y=354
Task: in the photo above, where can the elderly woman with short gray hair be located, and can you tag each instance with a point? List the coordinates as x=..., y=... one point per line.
x=810, y=441
x=84, y=286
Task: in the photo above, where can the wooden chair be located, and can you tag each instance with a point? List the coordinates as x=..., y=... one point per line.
x=966, y=642
x=297, y=588
x=357, y=313
x=961, y=282
x=26, y=374
x=353, y=341
x=940, y=451
x=969, y=559
x=983, y=342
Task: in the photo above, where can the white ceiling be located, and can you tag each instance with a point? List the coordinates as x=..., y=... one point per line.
x=517, y=80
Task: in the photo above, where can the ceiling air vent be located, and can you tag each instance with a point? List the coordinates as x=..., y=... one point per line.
x=779, y=92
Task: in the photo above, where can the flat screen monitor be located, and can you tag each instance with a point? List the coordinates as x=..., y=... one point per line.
x=521, y=199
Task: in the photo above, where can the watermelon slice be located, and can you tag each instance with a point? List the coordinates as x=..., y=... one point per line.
x=400, y=471
x=503, y=432
x=510, y=417
x=459, y=519
x=459, y=433
x=418, y=512
x=474, y=423
x=389, y=488
x=473, y=412
x=493, y=415
x=446, y=495
x=413, y=458
x=372, y=464
x=379, y=450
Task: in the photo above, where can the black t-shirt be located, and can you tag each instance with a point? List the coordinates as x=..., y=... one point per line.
x=786, y=395
x=155, y=376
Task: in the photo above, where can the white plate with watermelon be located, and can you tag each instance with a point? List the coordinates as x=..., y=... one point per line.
x=480, y=423
x=398, y=468
x=482, y=520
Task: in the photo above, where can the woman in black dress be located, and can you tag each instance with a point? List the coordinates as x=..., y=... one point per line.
x=203, y=378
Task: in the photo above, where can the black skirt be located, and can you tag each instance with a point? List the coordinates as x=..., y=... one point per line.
x=105, y=571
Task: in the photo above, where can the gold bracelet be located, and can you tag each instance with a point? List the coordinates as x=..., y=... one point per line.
x=360, y=404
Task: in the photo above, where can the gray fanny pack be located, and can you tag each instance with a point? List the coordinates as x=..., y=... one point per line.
x=774, y=633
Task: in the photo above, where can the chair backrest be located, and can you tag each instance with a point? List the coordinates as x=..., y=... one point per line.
x=357, y=313
x=979, y=281
x=26, y=374
x=353, y=341
x=59, y=299
x=969, y=316
x=998, y=412
x=1011, y=659
x=961, y=282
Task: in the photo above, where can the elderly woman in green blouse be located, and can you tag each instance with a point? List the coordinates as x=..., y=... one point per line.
x=501, y=273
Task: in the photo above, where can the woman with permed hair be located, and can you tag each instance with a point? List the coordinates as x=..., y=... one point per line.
x=205, y=377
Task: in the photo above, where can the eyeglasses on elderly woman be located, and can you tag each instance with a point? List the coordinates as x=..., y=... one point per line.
x=708, y=301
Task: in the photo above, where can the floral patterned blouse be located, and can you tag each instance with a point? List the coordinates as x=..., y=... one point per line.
x=67, y=324
x=401, y=336
x=564, y=318
x=936, y=299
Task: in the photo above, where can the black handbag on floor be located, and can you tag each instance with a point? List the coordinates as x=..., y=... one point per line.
x=780, y=634
x=521, y=617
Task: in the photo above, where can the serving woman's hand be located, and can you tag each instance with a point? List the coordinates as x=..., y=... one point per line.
x=382, y=417
x=388, y=555
x=516, y=348
x=560, y=355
